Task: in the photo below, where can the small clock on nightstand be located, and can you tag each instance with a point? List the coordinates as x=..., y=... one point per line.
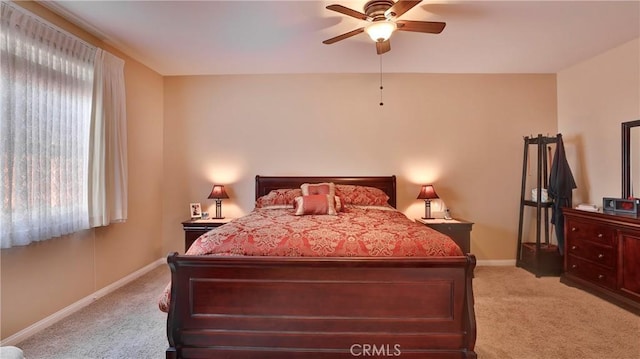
x=194, y=228
x=457, y=229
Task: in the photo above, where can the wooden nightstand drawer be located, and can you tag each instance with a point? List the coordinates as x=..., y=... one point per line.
x=196, y=227
x=458, y=230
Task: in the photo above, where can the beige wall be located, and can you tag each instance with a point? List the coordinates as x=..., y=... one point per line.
x=594, y=98
x=463, y=133
x=43, y=278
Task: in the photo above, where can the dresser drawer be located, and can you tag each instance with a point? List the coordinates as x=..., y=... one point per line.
x=601, y=254
x=591, y=272
x=594, y=232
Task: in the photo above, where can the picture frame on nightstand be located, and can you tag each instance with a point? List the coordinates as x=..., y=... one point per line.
x=196, y=210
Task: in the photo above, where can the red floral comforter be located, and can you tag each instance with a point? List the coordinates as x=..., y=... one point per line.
x=356, y=231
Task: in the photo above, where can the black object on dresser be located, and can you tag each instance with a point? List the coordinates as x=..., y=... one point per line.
x=602, y=256
x=194, y=228
x=458, y=230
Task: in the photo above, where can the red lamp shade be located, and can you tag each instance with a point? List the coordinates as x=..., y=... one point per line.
x=218, y=192
x=427, y=192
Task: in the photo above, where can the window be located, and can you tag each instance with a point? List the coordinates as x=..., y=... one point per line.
x=48, y=129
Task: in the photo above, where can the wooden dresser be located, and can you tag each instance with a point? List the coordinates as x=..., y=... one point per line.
x=602, y=256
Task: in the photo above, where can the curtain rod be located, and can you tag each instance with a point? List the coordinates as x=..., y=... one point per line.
x=44, y=22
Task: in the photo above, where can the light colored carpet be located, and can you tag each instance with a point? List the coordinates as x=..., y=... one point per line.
x=125, y=324
x=518, y=317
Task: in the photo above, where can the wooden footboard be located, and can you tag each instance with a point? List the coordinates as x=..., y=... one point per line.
x=292, y=307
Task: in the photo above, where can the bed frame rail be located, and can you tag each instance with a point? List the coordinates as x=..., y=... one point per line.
x=293, y=307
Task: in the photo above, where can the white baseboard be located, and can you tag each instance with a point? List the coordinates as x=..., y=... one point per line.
x=496, y=262
x=65, y=312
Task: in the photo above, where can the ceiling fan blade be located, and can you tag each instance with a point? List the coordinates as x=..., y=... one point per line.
x=343, y=36
x=382, y=47
x=346, y=11
x=399, y=8
x=431, y=27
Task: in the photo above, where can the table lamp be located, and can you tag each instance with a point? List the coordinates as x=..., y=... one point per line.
x=218, y=193
x=427, y=192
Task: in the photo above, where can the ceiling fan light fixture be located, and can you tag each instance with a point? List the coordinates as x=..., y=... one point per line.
x=380, y=31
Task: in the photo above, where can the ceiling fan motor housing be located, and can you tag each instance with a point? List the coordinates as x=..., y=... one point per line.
x=375, y=9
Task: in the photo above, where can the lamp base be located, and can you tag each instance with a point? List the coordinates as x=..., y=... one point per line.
x=218, y=209
x=427, y=209
x=216, y=218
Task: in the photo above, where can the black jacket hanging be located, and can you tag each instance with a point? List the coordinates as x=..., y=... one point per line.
x=561, y=185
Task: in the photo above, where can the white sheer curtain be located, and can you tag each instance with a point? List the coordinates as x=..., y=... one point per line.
x=48, y=141
x=47, y=82
x=108, y=160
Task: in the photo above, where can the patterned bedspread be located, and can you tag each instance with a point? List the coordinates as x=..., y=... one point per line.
x=356, y=231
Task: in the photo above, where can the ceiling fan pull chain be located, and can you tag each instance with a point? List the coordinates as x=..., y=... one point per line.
x=381, y=103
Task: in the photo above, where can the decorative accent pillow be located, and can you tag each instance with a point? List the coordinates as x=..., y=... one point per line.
x=339, y=206
x=361, y=195
x=279, y=198
x=315, y=204
x=318, y=188
x=322, y=188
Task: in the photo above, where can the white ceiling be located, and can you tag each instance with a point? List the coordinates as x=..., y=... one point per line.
x=264, y=37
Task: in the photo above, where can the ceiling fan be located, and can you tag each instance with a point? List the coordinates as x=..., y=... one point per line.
x=383, y=17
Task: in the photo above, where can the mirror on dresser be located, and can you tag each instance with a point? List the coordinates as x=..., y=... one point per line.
x=630, y=158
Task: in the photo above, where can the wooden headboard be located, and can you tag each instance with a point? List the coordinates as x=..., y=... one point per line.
x=265, y=184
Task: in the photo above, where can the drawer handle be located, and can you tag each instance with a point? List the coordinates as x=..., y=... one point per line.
x=600, y=276
x=573, y=229
x=198, y=228
x=574, y=266
x=600, y=235
x=600, y=255
x=574, y=247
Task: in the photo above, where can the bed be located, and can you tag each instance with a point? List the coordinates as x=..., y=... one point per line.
x=333, y=305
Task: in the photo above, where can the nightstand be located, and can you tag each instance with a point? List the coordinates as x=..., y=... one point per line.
x=194, y=228
x=457, y=229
